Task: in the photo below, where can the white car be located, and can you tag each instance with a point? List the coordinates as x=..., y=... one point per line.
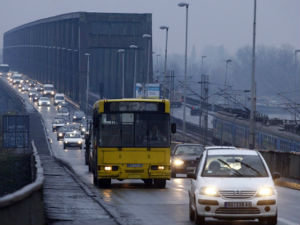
x=49, y=90
x=44, y=101
x=59, y=98
x=232, y=184
x=73, y=139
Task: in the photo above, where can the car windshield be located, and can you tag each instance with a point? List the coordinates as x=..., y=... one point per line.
x=234, y=166
x=72, y=135
x=44, y=99
x=134, y=130
x=189, y=150
x=59, y=98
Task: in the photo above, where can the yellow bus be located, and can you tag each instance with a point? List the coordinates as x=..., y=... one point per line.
x=130, y=139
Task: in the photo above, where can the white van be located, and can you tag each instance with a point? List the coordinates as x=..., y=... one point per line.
x=49, y=89
x=59, y=98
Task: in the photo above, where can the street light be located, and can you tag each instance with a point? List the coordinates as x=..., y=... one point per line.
x=87, y=84
x=122, y=52
x=253, y=86
x=166, y=28
x=200, y=103
x=186, y=5
x=297, y=51
x=135, y=48
x=148, y=37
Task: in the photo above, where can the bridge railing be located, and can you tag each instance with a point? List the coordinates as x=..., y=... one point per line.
x=25, y=206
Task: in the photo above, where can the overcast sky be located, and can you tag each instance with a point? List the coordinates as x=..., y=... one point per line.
x=225, y=23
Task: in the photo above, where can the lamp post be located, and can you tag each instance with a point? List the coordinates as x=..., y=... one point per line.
x=148, y=37
x=135, y=48
x=166, y=28
x=297, y=51
x=122, y=52
x=201, y=98
x=87, y=84
x=253, y=87
x=186, y=5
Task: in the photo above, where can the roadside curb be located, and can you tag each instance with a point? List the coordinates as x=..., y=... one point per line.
x=287, y=184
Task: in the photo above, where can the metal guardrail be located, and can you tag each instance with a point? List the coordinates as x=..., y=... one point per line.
x=25, y=206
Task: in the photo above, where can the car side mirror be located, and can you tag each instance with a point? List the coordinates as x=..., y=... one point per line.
x=191, y=175
x=275, y=175
x=173, y=128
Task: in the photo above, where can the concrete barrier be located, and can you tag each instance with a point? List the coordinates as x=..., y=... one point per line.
x=25, y=206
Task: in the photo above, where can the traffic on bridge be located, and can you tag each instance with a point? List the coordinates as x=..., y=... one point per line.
x=97, y=128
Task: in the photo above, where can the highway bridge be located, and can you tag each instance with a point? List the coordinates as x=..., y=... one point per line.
x=52, y=50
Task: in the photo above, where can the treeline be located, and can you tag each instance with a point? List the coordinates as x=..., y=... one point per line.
x=277, y=71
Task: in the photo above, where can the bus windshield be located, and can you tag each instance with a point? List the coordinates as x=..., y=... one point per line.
x=134, y=130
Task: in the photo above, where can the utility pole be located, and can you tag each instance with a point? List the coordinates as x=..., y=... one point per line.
x=253, y=87
x=204, y=105
x=200, y=103
x=297, y=51
x=186, y=5
x=87, y=84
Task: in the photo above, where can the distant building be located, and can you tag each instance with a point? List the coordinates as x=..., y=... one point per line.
x=52, y=50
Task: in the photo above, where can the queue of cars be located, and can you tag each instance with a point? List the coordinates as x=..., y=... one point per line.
x=227, y=183
x=69, y=125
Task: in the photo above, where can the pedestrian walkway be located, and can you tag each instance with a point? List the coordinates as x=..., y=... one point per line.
x=65, y=201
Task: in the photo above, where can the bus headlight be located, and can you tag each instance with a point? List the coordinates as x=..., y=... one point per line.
x=161, y=167
x=108, y=168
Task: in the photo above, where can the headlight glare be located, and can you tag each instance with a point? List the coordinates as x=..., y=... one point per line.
x=265, y=191
x=178, y=162
x=209, y=191
x=107, y=168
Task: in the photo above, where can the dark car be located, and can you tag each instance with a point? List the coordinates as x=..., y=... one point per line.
x=78, y=116
x=67, y=128
x=185, y=158
x=57, y=123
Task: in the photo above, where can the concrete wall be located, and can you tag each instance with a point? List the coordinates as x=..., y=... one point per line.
x=287, y=164
x=25, y=206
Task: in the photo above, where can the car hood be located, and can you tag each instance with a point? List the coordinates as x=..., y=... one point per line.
x=238, y=183
x=73, y=139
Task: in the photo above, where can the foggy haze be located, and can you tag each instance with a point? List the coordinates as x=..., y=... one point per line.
x=211, y=22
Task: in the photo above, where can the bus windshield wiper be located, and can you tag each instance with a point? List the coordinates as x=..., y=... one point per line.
x=232, y=169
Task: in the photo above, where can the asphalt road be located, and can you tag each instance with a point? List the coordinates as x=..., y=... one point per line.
x=136, y=204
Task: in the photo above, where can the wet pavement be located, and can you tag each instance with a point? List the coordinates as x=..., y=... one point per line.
x=132, y=203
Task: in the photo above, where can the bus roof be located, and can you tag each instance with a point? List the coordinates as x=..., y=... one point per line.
x=97, y=104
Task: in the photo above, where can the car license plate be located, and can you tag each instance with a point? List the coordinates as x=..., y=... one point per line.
x=135, y=165
x=237, y=204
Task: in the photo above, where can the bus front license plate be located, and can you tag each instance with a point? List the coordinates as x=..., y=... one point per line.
x=134, y=165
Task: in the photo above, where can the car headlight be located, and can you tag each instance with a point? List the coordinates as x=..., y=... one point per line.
x=79, y=142
x=209, y=191
x=60, y=134
x=265, y=191
x=178, y=162
x=66, y=142
x=52, y=92
x=83, y=129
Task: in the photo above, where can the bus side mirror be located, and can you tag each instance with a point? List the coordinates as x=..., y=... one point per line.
x=173, y=128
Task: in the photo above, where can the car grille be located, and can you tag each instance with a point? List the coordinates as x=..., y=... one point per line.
x=251, y=210
x=236, y=194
